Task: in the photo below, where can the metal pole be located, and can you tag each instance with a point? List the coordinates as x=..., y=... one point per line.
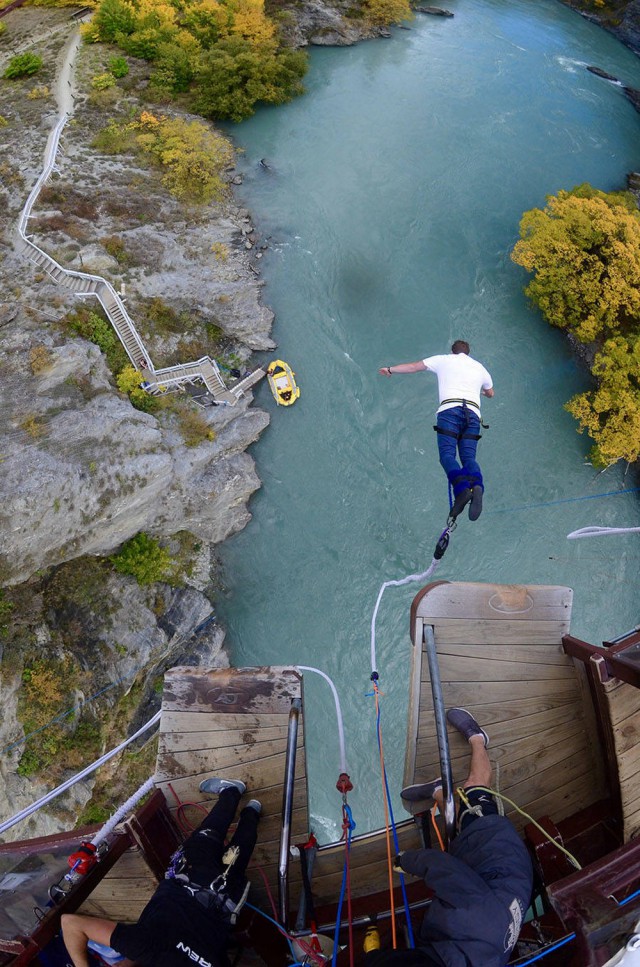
x=287, y=808
x=441, y=732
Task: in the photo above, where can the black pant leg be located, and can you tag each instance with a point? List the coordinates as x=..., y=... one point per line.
x=244, y=838
x=205, y=846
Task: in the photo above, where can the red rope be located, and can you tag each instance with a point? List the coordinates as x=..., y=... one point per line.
x=186, y=826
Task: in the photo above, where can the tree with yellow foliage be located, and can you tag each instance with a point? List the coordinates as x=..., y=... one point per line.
x=584, y=251
x=193, y=156
x=383, y=13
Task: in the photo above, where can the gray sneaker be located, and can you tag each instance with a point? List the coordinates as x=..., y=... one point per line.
x=216, y=785
x=465, y=723
x=254, y=804
x=421, y=791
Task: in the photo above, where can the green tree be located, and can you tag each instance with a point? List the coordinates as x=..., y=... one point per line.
x=583, y=249
x=143, y=558
x=118, y=66
x=129, y=381
x=113, y=20
x=22, y=65
x=234, y=76
x=383, y=13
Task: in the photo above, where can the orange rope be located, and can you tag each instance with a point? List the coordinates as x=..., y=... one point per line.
x=386, y=820
x=435, y=826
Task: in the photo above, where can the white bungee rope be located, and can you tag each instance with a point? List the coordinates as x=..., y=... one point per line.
x=343, y=754
x=395, y=584
x=24, y=813
x=601, y=532
x=122, y=811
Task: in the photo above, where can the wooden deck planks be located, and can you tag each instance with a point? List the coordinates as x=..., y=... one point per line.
x=233, y=723
x=500, y=656
x=124, y=891
x=623, y=703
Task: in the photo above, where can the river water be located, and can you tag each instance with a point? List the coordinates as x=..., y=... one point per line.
x=392, y=200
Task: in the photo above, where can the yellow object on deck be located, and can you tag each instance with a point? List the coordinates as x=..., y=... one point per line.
x=283, y=383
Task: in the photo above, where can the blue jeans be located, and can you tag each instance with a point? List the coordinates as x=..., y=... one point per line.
x=464, y=422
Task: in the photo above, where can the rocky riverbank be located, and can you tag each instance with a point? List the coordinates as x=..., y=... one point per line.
x=619, y=17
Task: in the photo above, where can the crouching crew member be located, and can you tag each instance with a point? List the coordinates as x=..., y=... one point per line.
x=482, y=885
x=189, y=917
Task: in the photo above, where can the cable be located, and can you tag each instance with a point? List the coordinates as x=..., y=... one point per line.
x=565, y=500
x=80, y=775
x=543, y=953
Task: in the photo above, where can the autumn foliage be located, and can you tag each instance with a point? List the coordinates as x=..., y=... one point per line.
x=583, y=249
x=225, y=56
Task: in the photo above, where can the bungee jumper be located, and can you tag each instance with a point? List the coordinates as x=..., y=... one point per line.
x=462, y=381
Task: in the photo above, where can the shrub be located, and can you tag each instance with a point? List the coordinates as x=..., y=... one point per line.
x=129, y=381
x=3, y=121
x=38, y=92
x=220, y=251
x=143, y=558
x=22, y=65
x=40, y=359
x=193, y=426
x=33, y=426
x=100, y=82
x=118, y=66
x=98, y=330
x=115, y=139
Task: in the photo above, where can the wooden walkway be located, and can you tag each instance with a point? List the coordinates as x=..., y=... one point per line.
x=500, y=656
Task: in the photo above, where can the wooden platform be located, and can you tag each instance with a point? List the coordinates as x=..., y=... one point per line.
x=500, y=656
x=124, y=891
x=233, y=723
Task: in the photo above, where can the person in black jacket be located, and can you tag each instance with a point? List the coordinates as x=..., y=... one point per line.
x=482, y=885
x=189, y=917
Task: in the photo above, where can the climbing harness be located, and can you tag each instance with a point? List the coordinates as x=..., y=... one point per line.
x=215, y=896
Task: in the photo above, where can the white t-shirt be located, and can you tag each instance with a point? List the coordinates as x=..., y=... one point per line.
x=459, y=378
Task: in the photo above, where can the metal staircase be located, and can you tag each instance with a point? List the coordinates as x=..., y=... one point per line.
x=85, y=285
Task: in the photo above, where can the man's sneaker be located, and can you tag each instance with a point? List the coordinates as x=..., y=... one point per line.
x=465, y=723
x=421, y=791
x=460, y=502
x=216, y=785
x=475, y=507
x=254, y=804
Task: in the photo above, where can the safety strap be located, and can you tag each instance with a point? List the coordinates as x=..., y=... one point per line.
x=458, y=436
x=465, y=404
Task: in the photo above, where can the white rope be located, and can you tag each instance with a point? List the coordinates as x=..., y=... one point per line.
x=8, y=823
x=343, y=755
x=601, y=532
x=122, y=811
x=395, y=584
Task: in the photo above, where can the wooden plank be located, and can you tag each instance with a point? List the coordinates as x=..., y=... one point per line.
x=623, y=701
x=183, y=741
x=206, y=721
x=547, y=652
x=478, y=601
x=259, y=775
x=454, y=630
x=232, y=690
x=460, y=668
x=511, y=721
x=490, y=693
x=177, y=764
x=131, y=864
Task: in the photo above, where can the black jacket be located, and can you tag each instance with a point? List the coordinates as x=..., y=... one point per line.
x=482, y=890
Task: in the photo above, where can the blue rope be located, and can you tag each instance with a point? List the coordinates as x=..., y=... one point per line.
x=547, y=950
x=395, y=840
x=336, y=933
x=276, y=924
x=565, y=500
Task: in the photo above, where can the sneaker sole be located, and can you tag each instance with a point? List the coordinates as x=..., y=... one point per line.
x=420, y=791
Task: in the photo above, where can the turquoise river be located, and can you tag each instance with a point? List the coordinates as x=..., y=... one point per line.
x=392, y=200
